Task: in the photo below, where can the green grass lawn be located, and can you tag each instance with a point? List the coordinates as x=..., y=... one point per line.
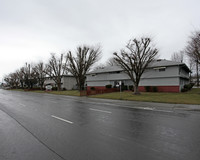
x=67, y=93
x=190, y=97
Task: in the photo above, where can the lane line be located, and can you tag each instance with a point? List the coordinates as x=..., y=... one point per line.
x=22, y=104
x=147, y=108
x=98, y=110
x=52, y=101
x=163, y=111
x=62, y=119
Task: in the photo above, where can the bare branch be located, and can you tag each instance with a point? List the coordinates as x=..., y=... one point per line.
x=56, y=68
x=135, y=59
x=85, y=58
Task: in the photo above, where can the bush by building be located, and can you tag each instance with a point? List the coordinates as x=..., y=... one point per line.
x=147, y=88
x=109, y=86
x=92, y=88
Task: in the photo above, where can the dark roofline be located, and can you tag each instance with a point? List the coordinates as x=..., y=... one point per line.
x=62, y=76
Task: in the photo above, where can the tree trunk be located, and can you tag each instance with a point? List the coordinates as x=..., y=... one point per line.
x=41, y=86
x=78, y=81
x=58, y=87
x=197, y=68
x=136, y=90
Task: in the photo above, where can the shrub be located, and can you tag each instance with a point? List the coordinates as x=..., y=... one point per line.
x=64, y=89
x=155, y=89
x=109, y=86
x=131, y=87
x=187, y=87
x=184, y=90
x=125, y=87
x=147, y=88
x=192, y=84
x=92, y=88
x=54, y=88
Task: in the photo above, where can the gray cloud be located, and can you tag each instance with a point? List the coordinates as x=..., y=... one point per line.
x=31, y=29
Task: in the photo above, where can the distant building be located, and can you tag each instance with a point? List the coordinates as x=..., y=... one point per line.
x=68, y=82
x=165, y=75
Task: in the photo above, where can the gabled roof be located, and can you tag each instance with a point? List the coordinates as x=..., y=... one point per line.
x=154, y=64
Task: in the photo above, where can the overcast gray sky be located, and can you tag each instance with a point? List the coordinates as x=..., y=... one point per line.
x=31, y=29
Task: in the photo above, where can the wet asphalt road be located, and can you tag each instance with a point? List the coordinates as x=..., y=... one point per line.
x=37, y=126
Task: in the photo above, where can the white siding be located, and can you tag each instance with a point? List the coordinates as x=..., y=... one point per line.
x=160, y=82
x=107, y=76
x=69, y=83
x=98, y=83
x=155, y=73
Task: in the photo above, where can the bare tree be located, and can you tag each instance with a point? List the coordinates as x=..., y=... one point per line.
x=191, y=65
x=21, y=77
x=56, y=68
x=111, y=62
x=29, y=76
x=15, y=79
x=178, y=56
x=80, y=64
x=99, y=66
x=193, y=51
x=12, y=80
x=8, y=81
x=40, y=73
x=135, y=59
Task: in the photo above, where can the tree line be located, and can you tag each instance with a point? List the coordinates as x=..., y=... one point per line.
x=77, y=64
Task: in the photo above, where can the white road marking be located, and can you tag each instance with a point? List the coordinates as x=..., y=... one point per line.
x=53, y=101
x=22, y=105
x=163, y=111
x=62, y=119
x=98, y=110
x=147, y=108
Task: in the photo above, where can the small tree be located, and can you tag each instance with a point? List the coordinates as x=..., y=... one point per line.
x=56, y=68
x=111, y=62
x=80, y=64
x=135, y=59
x=177, y=56
x=12, y=80
x=193, y=51
x=40, y=73
x=20, y=75
x=28, y=75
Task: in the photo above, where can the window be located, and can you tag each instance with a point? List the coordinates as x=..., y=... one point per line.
x=161, y=69
x=114, y=72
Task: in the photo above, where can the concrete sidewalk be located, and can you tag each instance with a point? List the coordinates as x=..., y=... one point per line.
x=137, y=104
x=149, y=105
